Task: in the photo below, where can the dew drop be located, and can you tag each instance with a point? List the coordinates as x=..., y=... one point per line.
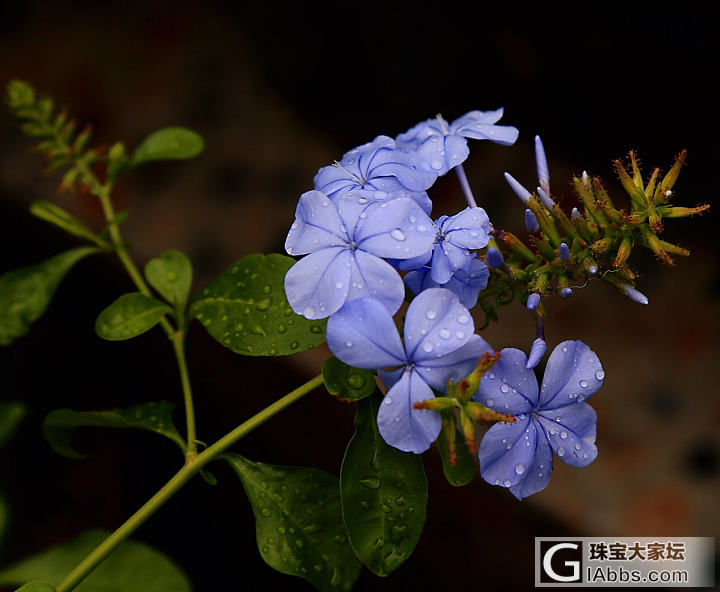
x=309, y=312
x=265, y=512
x=431, y=314
x=315, y=329
x=294, y=345
x=281, y=328
x=348, y=343
x=436, y=164
x=444, y=333
x=561, y=451
x=506, y=483
x=492, y=376
x=563, y=434
x=564, y=348
x=388, y=400
x=370, y=482
x=520, y=468
x=577, y=446
x=460, y=334
x=428, y=347
x=584, y=383
x=397, y=234
x=585, y=455
x=490, y=402
x=356, y=381
x=463, y=319
x=362, y=201
x=339, y=285
x=599, y=374
x=504, y=388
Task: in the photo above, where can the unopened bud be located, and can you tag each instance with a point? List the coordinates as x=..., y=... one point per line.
x=537, y=351
x=575, y=213
x=531, y=222
x=494, y=258
x=566, y=292
x=623, y=252
x=634, y=294
x=545, y=198
x=564, y=252
x=436, y=404
x=542, y=166
x=533, y=301
x=519, y=190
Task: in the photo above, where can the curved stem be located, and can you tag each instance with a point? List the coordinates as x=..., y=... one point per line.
x=460, y=171
x=178, y=342
x=193, y=466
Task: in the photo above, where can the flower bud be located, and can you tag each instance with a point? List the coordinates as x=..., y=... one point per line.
x=537, y=351
x=634, y=294
x=533, y=301
x=564, y=252
x=494, y=258
x=531, y=222
x=566, y=292
x=519, y=190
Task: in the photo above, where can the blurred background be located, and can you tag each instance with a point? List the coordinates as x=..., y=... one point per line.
x=279, y=90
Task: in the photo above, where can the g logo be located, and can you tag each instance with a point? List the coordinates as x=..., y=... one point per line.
x=561, y=561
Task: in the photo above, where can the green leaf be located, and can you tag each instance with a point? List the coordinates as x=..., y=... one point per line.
x=246, y=310
x=347, y=382
x=171, y=275
x=26, y=293
x=129, y=316
x=53, y=214
x=298, y=522
x=11, y=414
x=155, y=416
x=36, y=587
x=463, y=471
x=168, y=143
x=384, y=495
x=132, y=567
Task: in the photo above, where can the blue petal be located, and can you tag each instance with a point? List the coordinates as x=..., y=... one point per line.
x=401, y=165
x=537, y=476
x=436, y=324
x=457, y=257
x=402, y=426
x=454, y=366
x=509, y=387
x=440, y=269
x=333, y=180
x=479, y=125
x=467, y=283
x=317, y=285
x=416, y=135
x=415, y=262
x=456, y=150
x=469, y=229
x=419, y=280
x=317, y=225
x=571, y=431
x=372, y=277
x=431, y=155
x=542, y=165
x=390, y=377
x=396, y=228
x=362, y=334
x=573, y=372
x=507, y=451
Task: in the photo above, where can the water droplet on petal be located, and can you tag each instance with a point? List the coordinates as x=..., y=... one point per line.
x=506, y=483
x=431, y=314
x=388, y=400
x=520, y=468
x=599, y=374
x=504, y=388
x=460, y=334
x=348, y=343
x=463, y=319
x=309, y=311
x=444, y=333
x=428, y=347
x=561, y=451
x=563, y=434
x=436, y=164
x=397, y=234
x=491, y=403
x=584, y=383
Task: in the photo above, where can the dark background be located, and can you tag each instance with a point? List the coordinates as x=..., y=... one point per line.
x=277, y=91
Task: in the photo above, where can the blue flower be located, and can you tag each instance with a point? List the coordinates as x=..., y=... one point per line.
x=519, y=455
x=470, y=229
x=346, y=241
x=440, y=345
x=465, y=283
x=442, y=146
x=377, y=166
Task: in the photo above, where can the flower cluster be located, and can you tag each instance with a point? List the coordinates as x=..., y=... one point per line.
x=366, y=233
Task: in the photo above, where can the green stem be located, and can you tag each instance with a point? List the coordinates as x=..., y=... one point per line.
x=101, y=552
x=178, y=342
